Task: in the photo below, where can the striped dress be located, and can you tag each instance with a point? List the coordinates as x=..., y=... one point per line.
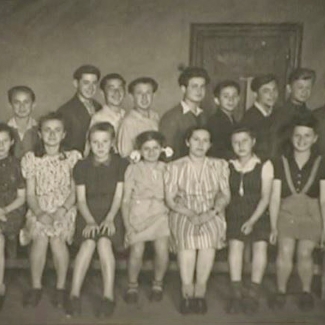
x=198, y=193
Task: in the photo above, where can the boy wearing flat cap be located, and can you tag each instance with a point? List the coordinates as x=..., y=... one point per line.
x=175, y=122
x=77, y=112
x=141, y=118
x=259, y=118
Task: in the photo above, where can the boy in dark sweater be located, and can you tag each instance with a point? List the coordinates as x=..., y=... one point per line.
x=222, y=123
x=175, y=122
x=260, y=117
x=299, y=88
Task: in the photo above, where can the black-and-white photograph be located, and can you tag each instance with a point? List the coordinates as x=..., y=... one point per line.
x=162, y=162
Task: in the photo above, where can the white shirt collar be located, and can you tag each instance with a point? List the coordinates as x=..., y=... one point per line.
x=121, y=112
x=31, y=123
x=262, y=109
x=187, y=109
x=249, y=166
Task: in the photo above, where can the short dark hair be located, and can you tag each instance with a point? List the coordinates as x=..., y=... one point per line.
x=143, y=80
x=102, y=126
x=4, y=127
x=302, y=74
x=224, y=84
x=305, y=119
x=111, y=76
x=39, y=149
x=192, y=72
x=191, y=130
x=86, y=69
x=262, y=80
x=149, y=135
x=243, y=129
x=12, y=91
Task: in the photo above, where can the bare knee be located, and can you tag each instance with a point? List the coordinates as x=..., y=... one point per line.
x=137, y=250
x=304, y=254
x=40, y=244
x=161, y=247
x=260, y=250
x=88, y=245
x=105, y=251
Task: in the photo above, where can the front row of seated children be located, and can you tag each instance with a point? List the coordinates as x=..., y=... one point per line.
x=188, y=202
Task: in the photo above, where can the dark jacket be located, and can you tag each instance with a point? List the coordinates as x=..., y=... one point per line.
x=77, y=120
x=221, y=127
x=261, y=125
x=319, y=114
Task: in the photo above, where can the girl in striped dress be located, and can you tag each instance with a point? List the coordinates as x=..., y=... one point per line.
x=248, y=222
x=197, y=193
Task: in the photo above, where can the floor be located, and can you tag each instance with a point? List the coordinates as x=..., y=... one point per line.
x=145, y=312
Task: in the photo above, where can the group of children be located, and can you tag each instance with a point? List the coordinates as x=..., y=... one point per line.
x=227, y=188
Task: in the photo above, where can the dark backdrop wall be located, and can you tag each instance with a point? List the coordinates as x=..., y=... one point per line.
x=43, y=41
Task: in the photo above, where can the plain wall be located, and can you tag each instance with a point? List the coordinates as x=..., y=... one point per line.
x=43, y=41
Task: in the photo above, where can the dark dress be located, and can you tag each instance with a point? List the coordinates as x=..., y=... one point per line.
x=221, y=126
x=174, y=125
x=11, y=180
x=300, y=215
x=100, y=181
x=242, y=207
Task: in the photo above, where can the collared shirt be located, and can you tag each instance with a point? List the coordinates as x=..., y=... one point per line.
x=132, y=125
x=299, y=176
x=26, y=141
x=106, y=114
x=30, y=124
x=262, y=109
x=89, y=104
x=187, y=108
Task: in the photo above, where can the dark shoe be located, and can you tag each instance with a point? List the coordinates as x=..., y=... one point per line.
x=73, y=306
x=2, y=300
x=186, y=306
x=32, y=298
x=234, y=306
x=306, y=302
x=107, y=307
x=277, y=301
x=200, y=306
x=156, y=294
x=250, y=305
x=59, y=298
x=131, y=296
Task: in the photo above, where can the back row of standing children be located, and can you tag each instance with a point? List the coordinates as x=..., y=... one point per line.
x=197, y=200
